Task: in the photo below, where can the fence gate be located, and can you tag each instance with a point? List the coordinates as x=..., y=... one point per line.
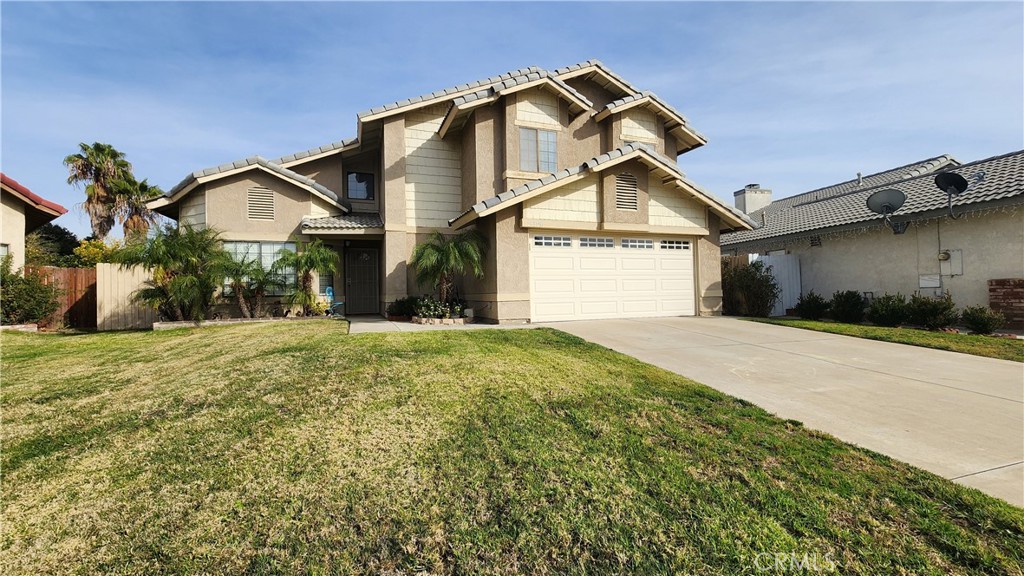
x=77, y=300
x=114, y=307
x=786, y=271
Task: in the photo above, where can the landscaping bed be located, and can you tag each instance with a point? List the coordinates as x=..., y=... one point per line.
x=989, y=346
x=296, y=448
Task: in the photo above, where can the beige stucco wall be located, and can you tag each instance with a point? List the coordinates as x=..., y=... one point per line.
x=192, y=211
x=578, y=201
x=12, y=228
x=878, y=261
x=709, y=270
x=327, y=171
x=226, y=202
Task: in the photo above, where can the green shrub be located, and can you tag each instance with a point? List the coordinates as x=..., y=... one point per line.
x=403, y=306
x=889, y=310
x=982, y=319
x=25, y=299
x=848, y=307
x=933, y=312
x=749, y=290
x=812, y=306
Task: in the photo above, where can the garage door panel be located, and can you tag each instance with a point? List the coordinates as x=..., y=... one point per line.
x=640, y=285
x=643, y=263
x=575, y=282
x=598, y=285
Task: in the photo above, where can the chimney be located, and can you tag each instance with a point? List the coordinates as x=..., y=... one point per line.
x=752, y=197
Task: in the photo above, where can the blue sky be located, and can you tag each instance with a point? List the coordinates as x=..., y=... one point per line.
x=790, y=95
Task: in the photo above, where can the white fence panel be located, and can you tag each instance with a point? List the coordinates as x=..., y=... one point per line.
x=114, y=307
x=786, y=271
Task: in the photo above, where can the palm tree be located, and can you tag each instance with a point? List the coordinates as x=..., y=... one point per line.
x=188, y=266
x=103, y=169
x=238, y=273
x=441, y=258
x=130, y=206
x=309, y=257
x=261, y=281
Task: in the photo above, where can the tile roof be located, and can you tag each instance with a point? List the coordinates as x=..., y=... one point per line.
x=449, y=91
x=30, y=195
x=339, y=145
x=516, y=81
x=253, y=161
x=613, y=105
x=992, y=179
x=593, y=164
x=353, y=221
x=889, y=176
x=596, y=64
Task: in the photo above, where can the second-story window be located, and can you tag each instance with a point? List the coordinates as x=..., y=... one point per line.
x=360, y=186
x=538, y=150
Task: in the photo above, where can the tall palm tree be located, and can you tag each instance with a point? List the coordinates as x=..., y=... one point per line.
x=188, y=266
x=130, y=206
x=308, y=257
x=441, y=258
x=103, y=169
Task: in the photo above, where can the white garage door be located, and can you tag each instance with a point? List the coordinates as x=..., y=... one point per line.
x=581, y=277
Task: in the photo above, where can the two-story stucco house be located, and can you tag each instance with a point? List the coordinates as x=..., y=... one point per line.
x=21, y=212
x=571, y=174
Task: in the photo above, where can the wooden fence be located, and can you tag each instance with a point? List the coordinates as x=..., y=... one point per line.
x=77, y=300
x=114, y=307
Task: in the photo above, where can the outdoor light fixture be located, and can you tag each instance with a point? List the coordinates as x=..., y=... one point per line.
x=886, y=202
x=953, y=185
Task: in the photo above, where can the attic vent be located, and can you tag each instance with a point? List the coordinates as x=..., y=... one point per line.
x=815, y=241
x=625, y=191
x=261, y=203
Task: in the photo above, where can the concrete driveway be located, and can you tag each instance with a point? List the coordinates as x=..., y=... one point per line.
x=959, y=416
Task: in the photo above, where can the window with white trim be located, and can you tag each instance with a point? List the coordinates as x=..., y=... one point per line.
x=538, y=150
x=561, y=241
x=5, y=249
x=625, y=191
x=635, y=243
x=675, y=244
x=266, y=253
x=597, y=243
x=260, y=203
x=326, y=281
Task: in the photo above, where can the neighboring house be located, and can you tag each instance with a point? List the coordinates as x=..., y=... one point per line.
x=23, y=211
x=842, y=245
x=570, y=174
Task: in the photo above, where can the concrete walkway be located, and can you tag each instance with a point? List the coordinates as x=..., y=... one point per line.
x=959, y=416
x=371, y=323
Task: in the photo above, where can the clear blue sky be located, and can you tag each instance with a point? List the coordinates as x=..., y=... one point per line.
x=792, y=96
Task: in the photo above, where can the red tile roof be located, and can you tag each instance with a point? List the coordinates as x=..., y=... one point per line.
x=39, y=201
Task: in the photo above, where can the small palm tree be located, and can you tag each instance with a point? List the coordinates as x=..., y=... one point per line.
x=238, y=273
x=261, y=282
x=103, y=169
x=441, y=258
x=308, y=257
x=188, y=266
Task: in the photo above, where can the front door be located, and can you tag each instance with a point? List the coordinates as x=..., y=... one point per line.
x=361, y=281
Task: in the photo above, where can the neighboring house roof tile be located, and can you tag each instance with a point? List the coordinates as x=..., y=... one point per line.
x=353, y=221
x=254, y=161
x=992, y=179
x=31, y=196
x=595, y=164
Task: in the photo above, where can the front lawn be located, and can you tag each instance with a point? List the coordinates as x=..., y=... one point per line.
x=295, y=448
x=989, y=346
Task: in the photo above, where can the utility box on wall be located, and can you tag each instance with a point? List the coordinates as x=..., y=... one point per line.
x=951, y=262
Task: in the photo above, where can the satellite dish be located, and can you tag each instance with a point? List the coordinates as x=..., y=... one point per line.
x=886, y=201
x=951, y=183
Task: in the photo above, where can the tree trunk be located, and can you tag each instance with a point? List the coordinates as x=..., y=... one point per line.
x=178, y=314
x=307, y=288
x=243, y=306
x=257, y=308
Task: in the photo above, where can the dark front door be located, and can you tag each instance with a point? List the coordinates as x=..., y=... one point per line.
x=361, y=282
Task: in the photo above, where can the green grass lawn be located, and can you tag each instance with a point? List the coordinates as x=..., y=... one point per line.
x=989, y=346
x=295, y=448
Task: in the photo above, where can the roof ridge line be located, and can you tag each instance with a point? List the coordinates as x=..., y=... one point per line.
x=851, y=180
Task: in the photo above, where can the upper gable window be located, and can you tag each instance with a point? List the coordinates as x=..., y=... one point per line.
x=260, y=203
x=360, y=186
x=538, y=150
x=625, y=191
